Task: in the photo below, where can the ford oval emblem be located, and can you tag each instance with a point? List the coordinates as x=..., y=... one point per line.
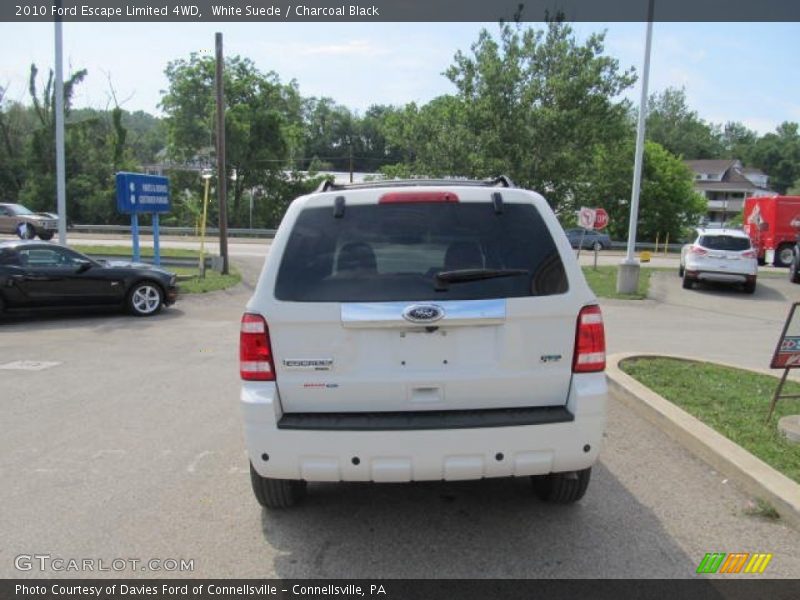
x=423, y=313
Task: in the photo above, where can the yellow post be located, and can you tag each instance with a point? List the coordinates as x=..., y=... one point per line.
x=656, y=248
x=666, y=244
x=202, y=264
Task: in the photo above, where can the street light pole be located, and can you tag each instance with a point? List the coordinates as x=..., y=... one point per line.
x=628, y=278
x=61, y=191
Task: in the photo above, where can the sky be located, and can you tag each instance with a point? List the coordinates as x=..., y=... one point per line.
x=745, y=72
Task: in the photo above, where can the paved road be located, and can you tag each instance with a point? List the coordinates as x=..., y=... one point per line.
x=129, y=445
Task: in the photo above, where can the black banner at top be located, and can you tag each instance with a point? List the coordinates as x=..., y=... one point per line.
x=395, y=10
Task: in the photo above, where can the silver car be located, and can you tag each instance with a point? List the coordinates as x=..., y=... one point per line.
x=15, y=218
x=721, y=255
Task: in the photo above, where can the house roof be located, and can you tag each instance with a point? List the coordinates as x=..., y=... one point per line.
x=710, y=166
x=734, y=176
x=736, y=186
x=752, y=171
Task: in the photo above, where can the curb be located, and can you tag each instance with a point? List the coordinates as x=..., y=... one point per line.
x=751, y=473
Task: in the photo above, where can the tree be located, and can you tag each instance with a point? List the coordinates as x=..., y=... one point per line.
x=668, y=205
x=680, y=130
x=532, y=104
x=16, y=123
x=39, y=190
x=778, y=155
x=263, y=121
x=737, y=141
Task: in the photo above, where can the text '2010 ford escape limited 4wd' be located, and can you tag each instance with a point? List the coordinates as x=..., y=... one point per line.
x=422, y=330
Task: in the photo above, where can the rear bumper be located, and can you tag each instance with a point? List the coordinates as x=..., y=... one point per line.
x=721, y=277
x=424, y=454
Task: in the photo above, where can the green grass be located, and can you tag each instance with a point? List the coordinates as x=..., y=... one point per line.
x=127, y=252
x=603, y=282
x=189, y=281
x=734, y=402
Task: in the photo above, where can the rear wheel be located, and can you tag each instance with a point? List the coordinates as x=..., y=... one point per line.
x=562, y=488
x=25, y=231
x=597, y=246
x=794, y=277
x=784, y=256
x=46, y=235
x=276, y=493
x=687, y=282
x=680, y=271
x=749, y=287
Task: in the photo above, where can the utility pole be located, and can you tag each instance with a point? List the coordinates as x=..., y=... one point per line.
x=628, y=277
x=61, y=186
x=222, y=179
x=351, y=159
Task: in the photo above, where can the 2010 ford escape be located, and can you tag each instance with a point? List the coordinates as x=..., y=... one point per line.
x=421, y=330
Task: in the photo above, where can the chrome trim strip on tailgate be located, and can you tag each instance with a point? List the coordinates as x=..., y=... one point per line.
x=456, y=312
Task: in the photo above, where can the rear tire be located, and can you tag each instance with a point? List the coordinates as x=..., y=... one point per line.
x=562, y=488
x=783, y=256
x=25, y=231
x=793, y=275
x=749, y=287
x=46, y=236
x=687, y=283
x=276, y=493
x=680, y=271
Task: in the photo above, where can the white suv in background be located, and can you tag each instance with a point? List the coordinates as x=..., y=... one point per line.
x=720, y=255
x=422, y=330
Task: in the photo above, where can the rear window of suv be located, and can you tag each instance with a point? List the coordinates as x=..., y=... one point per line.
x=725, y=242
x=393, y=252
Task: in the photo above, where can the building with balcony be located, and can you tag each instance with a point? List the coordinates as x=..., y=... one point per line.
x=725, y=184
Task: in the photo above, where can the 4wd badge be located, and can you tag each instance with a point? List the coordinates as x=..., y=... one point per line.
x=423, y=313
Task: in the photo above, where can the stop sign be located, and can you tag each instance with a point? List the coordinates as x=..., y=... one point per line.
x=600, y=218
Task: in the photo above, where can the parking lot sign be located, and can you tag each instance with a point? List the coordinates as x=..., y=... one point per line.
x=139, y=193
x=787, y=352
x=787, y=355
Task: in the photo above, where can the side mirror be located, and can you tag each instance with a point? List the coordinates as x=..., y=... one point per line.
x=83, y=266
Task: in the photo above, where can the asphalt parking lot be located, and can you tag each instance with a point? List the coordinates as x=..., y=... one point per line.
x=122, y=439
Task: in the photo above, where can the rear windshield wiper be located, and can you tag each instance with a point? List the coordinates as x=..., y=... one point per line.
x=457, y=276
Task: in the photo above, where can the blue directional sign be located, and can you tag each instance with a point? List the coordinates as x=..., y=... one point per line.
x=137, y=193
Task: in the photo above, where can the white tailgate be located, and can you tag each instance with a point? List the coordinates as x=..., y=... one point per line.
x=366, y=357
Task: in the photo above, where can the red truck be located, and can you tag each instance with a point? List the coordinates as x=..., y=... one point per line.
x=773, y=224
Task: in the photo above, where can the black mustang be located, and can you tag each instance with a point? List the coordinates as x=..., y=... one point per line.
x=41, y=275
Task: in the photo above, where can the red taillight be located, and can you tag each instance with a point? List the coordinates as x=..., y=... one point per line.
x=255, y=351
x=698, y=250
x=411, y=196
x=749, y=254
x=590, y=342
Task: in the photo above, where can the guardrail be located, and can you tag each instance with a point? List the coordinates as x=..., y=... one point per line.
x=168, y=230
x=270, y=233
x=166, y=261
x=650, y=246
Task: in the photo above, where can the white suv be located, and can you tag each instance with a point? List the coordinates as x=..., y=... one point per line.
x=721, y=255
x=422, y=330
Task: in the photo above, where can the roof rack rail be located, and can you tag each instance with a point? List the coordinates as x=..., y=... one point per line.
x=501, y=180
